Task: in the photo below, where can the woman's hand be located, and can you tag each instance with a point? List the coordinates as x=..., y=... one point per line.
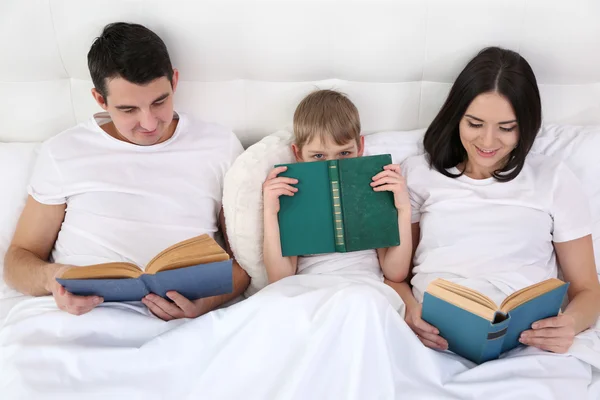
x=554, y=334
x=428, y=334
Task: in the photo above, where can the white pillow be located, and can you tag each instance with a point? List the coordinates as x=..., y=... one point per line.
x=16, y=160
x=242, y=196
x=578, y=147
x=243, y=205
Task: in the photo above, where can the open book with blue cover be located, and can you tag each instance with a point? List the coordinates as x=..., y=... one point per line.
x=476, y=328
x=196, y=268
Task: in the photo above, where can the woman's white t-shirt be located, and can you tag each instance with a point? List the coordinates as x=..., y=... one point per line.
x=127, y=202
x=496, y=237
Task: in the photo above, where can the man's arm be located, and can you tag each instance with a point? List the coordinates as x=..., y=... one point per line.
x=26, y=268
x=183, y=307
x=25, y=265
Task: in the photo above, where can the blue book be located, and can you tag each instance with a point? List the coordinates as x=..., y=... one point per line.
x=196, y=268
x=476, y=328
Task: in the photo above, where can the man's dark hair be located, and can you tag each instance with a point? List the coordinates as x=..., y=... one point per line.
x=129, y=51
x=492, y=70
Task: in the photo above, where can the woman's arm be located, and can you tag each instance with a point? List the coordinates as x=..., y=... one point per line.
x=576, y=258
x=427, y=334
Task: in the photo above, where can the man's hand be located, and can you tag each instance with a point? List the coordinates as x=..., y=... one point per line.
x=69, y=302
x=181, y=307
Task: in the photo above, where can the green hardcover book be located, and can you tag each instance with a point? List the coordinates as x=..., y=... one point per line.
x=336, y=208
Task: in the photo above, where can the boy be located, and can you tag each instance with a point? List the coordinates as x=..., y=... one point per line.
x=326, y=127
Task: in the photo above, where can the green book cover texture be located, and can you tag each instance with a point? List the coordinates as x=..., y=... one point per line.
x=336, y=208
x=479, y=340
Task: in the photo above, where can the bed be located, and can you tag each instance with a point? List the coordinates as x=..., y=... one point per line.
x=245, y=65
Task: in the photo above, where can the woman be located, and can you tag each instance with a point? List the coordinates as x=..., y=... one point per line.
x=489, y=214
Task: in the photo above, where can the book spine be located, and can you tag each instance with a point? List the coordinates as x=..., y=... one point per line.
x=338, y=217
x=495, y=339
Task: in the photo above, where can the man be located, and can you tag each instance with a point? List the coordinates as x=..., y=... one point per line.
x=126, y=184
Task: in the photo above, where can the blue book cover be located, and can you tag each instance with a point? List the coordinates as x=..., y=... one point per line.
x=194, y=282
x=196, y=268
x=479, y=330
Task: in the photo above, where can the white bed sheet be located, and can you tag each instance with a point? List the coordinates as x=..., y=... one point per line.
x=307, y=336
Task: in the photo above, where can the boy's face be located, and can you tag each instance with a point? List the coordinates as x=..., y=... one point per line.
x=142, y=114
x=315, y=150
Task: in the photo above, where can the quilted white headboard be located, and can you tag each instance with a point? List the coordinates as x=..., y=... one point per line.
x=246, y=64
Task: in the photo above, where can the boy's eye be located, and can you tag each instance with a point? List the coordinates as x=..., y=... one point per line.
x=128, y=110
x=345, y=153
x=318, y=156
x=472, y=125
x=159, y=103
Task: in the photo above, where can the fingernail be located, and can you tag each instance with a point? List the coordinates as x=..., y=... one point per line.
x=97, y=300
x=535, y=325
x=169, y=295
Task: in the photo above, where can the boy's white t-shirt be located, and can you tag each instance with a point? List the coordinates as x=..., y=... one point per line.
x=127, y=202
x=364, y=262
x=496, y=237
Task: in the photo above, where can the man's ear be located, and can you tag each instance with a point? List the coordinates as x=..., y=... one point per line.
x=175, y=79
x=361, y=146
x=297, y=152
x=99, y=99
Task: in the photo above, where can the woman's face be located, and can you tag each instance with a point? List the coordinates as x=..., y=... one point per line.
x=488, y=132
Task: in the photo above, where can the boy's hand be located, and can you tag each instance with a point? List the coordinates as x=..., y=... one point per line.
x=275, y=187
x=391, y=180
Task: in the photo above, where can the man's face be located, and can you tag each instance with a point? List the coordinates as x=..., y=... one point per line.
x=142, y=114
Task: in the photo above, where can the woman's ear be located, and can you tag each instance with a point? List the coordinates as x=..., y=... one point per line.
x=297, y=152
x=361, y=146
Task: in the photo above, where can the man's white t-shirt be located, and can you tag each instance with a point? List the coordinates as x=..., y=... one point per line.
x=127, y=202
x=493, y=236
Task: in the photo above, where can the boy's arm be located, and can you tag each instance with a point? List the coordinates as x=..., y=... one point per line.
x=395, y=261
x=277, y=266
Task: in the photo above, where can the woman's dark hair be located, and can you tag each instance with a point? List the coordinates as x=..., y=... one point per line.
x=129, y=51
x=492, y=70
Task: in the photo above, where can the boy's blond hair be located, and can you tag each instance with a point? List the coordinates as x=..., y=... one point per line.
x=326, y=114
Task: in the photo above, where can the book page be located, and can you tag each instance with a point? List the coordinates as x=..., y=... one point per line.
x=198, y=250
x=116, y=270
x=530, y=292
x=469, y=304
x=467, y=293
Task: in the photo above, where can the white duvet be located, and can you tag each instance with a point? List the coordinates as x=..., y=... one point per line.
x=305, y=337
